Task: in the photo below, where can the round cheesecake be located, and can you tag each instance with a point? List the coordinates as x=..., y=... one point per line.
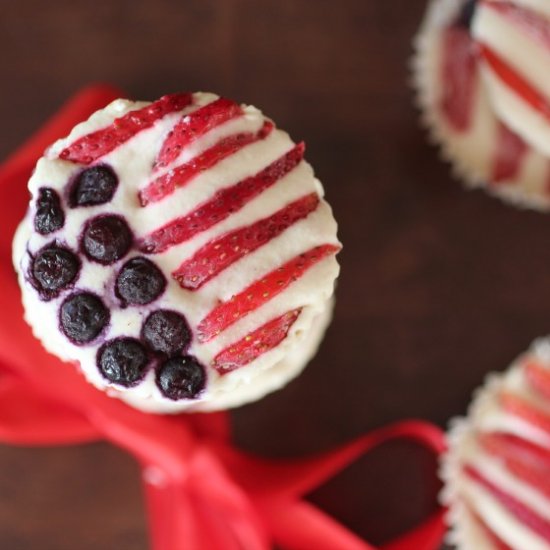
x=482, y=74
x=180, y=252
x=497, y=468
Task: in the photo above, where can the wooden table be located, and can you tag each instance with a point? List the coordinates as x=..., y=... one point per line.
x=438, y=285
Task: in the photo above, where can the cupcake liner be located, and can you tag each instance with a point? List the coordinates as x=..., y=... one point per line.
x=462, y=526
x=524, y=190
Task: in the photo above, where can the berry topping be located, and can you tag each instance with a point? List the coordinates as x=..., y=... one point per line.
x=225, y=202
x=181, y=378
x=219, y=254
x=53, y=269
x=260, y=292
x=139, y=282
x=194, y=125
x=49, y=215
x=106, y=239
x=91, y=147
x=179, y=176
x=166, y=332
x=83, y=316
x=122, y=361
x=509, y=154
x=255, y=344
x=514, y=506
x=94, y=185
x=467, y=14
x=459, y=74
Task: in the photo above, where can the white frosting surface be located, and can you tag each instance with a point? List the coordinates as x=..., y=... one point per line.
x=132, y=162
x=464, y=495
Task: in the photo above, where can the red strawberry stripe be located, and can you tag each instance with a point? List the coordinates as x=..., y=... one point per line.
x=516, y=82
x=166, y=184
x=260, y=292
x=523, y=513
x=523, y=409
x=497, y=542
x=91, y=147
x=459, y=77
x=255, y=344
x=192, y=126
x=511, y=446
x=224, y=203
x=538, y=378
x=509, y=154
x=525, y=460
x=220, y=253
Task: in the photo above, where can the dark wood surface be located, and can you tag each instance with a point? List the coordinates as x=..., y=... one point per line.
x=438, y=285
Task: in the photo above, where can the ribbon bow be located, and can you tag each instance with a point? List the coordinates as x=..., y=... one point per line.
x=202, y=493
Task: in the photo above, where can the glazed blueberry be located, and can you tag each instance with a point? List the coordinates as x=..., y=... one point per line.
x=467, y=14
x=181, y=378
x=166, y=332
x=139, y=282
x=49, y=215
x=106, y=239
x=122, y=361
x=83, y=316
x=94, y=185
x=53, y=269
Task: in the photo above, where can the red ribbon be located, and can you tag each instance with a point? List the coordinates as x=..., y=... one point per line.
x=202, y=492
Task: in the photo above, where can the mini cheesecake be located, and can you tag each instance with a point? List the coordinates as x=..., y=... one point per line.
x=180, y=252
x=497, y=468
x=482, y=75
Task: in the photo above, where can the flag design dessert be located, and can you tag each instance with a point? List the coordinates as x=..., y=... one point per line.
x=497, y=469
x=482, y=74
x=180, y=252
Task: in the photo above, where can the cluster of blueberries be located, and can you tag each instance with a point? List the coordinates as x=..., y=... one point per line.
x=106, y=239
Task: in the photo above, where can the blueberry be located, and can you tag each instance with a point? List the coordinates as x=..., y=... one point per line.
x=139, y=282
x=49, y=215
x=166, y=332
x=94, y=185
x=467, y=14
x=53, y=269
x=106, y=239
x=122, y=361
x=83, y=316
x=181, y=378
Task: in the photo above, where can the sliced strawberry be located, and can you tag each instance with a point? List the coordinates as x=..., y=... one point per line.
x=507, y=446
x=509, y=153
x=224, y=203
x=521, y=408
x=190, y=127
x=255, y=344
x=220, y=253
x=260, y=292
x=538, y=378
x=527, y=461
x=91, y=147
x=495, y=540
x=459, y=77
x=515, y=81
x=522, y=512
x=179, y=176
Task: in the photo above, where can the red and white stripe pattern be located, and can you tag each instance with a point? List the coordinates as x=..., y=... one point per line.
x=498, y=467
x=224, y=203
x=485, y=94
